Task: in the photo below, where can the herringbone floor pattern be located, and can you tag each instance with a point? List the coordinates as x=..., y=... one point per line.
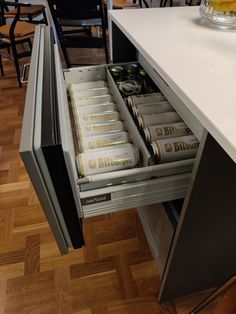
x=114, y=273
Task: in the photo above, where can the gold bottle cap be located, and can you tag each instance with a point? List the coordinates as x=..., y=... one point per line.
x=135, y=111
x=141, y=121
x=147, y=134
x=81, y=144
x=81, y=165
x=129, y=101
x=156, y=150
x=137, y=157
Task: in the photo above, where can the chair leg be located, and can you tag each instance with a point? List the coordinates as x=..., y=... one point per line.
x=146, y=4
x=15, y=56
x=104, y=35
x=89, y=31
x=30, y=18
x=45, y=18
x=1, y=65
x=30, y=44
x=106, y=53
x=65, y=54
x=63, y=47
x=164, y=3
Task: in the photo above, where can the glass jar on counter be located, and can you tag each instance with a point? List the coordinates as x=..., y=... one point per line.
x=220, y=13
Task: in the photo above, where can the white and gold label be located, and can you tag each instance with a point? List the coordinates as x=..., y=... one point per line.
x=109, y=106
x=93, y=142
x=96, y=129
x=152, y=108
x=91, y=92
x=98, y=118
x=158, y=118
x=158, y=132
x=93, y=100
x=107, y=160
x=87, y=85
x=178, y=148
x=145, y=98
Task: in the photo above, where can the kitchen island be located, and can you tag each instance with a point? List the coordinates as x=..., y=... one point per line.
x=195, y=68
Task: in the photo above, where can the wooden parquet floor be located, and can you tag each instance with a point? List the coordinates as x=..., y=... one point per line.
x=114, y=273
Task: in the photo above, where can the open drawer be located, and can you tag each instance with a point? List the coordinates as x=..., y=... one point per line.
x=112, y=191
x=48, y=151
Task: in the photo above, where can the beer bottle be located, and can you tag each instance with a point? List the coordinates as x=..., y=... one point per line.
x=131, y=70
x=117, y=72
x=142, y=76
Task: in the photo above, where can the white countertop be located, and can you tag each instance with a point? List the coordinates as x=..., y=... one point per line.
x=198, y=63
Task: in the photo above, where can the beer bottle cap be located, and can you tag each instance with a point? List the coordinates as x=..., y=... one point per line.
x=136, y=153
x=155, y=149
x=147, y=134
x=140, y=121
x=128, y=101
x=81, y=165
x=142, y=72
x=131, y=67
x=135, y=111
x=117, y=69
x=81, y=144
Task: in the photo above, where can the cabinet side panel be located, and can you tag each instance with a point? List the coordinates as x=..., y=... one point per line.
x=203, y=254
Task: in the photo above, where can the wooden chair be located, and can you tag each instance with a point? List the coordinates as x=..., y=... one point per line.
x=141, y=2
x=28, y=13
x=81, y=15
x=18, y=32
x=123, y=4
x=3, y=46
x=163, y=3
x=192, y=2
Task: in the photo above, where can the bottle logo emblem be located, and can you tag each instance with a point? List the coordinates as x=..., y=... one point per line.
x=92, y=164
x=159, y=132
x=91, y=145
x=168, y=148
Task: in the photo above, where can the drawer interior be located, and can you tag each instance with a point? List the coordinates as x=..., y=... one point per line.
x=148, y=183
x=102, y=73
